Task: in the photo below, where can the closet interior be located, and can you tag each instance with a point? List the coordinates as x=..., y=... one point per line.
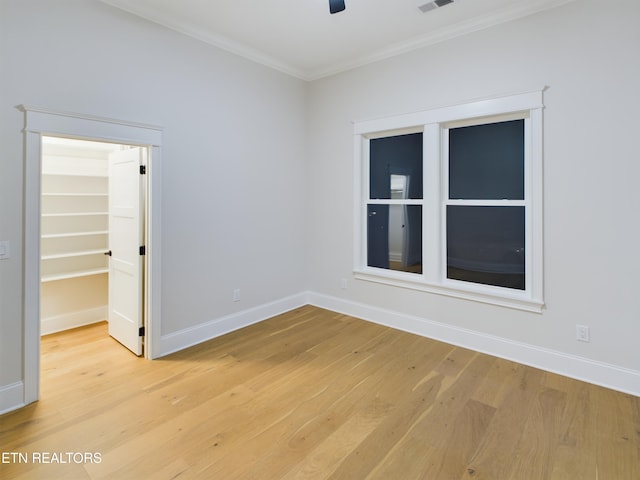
x=74, y=233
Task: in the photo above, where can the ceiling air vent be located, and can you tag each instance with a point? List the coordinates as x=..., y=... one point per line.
x=432, y=5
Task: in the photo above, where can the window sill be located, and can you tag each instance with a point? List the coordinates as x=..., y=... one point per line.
x=452, y=288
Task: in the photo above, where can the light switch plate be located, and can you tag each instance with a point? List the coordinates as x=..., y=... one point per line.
x=4, y=249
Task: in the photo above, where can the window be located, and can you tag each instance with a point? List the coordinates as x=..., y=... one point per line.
x=449, y=201
x=484, y=206
x=394, y=210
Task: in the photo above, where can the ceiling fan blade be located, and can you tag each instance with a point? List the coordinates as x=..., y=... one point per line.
x=336, y=6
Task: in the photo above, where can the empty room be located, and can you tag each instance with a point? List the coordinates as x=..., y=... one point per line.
x=367, y=239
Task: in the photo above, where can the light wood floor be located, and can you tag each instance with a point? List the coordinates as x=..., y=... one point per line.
x=315, y=394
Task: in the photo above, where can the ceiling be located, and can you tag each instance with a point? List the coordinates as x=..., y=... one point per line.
x=301, y=37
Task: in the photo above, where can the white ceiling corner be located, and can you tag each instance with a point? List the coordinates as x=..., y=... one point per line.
x=301, y=38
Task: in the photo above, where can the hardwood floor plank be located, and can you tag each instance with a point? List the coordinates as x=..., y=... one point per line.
x=617, y=434
x=321, y=462
x=316, y=394
x=376, y=446
x=576, y=453
x=432, y=432
x=518, y=392
x=410, y=404
x=313, y=414
x=534, y=454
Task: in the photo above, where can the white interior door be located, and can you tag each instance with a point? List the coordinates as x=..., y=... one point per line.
x=126, y=236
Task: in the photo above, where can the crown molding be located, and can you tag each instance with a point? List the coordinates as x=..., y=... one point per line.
x=490, y=19
x=459, y=29
x=219, y=41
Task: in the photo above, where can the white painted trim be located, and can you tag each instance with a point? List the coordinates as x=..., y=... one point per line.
x=11, y=397
x=498, y=105
x=503, y=15
x=41, y=121
x=573, y=366
x=60, y=123
x=58, y=323
x=153, y=265
x=433, y=37
x=188, y=337
x=31, y=268
x=434, y=123
x=451, y=288
x=207, y=36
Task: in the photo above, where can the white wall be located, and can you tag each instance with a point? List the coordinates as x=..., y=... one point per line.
x=233, y=153
x=257, y=166
x=587, y=54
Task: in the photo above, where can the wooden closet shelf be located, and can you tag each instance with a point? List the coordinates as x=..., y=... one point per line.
x=74, y=194
x=75, y=214
x=79, y=273
x=75, y=234
x=73, y=174
x=81, y=253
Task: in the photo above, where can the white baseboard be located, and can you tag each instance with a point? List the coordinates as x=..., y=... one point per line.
x=580, y=368
x=573, y=366
x=11, y=397
x=217, y=327
x=80, y=318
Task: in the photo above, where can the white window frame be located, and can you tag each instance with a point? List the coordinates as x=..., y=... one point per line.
x=435, y=124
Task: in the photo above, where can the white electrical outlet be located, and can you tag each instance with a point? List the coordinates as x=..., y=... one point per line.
x=582, y=333
x=236, y=295
x=343, y=283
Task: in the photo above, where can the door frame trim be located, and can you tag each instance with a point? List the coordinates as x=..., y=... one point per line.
x=38, y=122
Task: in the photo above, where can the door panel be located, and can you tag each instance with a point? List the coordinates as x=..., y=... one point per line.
x=126, y=235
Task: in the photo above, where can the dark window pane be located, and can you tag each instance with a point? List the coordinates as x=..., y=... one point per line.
x=487, y=161
x=401, y=156
x=394, y=237
x=486, y=245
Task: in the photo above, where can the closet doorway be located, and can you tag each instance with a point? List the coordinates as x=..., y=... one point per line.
x=42, y=122
x=93, y=197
